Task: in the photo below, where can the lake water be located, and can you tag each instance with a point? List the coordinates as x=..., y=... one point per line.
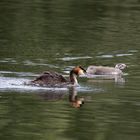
x=43, y=35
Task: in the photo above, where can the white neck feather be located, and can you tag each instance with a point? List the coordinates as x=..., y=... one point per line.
x=73, y=79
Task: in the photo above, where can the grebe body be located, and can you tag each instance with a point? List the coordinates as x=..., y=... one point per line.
x=103, y=70
x=54, y=79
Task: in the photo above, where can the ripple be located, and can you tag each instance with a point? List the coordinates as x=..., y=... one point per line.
x=127, y=54
x=115, y=55
x=133, y=51
x=106, y=56
x=88, y=89
x=21, y=74
x=30, y=63
x=17, y=84
x=36, y=62
x=74, y=58
x=8, y=60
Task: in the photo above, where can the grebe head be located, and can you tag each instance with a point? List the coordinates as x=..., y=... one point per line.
x=120, y=66
x=79, y=71
x=76, y=72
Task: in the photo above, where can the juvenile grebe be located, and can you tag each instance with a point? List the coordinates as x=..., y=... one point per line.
x=54, y=79
x=103, y=70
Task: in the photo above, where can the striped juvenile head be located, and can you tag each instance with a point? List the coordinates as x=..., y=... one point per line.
x=120, y=66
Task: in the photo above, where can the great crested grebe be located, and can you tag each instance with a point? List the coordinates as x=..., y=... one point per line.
x=103, y=70
x=54, y=79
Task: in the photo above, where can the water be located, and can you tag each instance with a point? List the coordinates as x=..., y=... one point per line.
x=41, y=35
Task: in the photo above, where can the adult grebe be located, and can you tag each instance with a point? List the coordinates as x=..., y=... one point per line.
x=103, y=70
x=54, y=79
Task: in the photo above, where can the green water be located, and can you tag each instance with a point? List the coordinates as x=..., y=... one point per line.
x=40, y=35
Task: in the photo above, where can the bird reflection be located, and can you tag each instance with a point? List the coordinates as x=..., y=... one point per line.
x=106, y=78
x=74, y=100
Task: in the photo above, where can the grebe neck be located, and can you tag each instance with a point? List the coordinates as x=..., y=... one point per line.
x=73, y=78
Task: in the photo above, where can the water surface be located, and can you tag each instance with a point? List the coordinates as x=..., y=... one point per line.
x=37, y=36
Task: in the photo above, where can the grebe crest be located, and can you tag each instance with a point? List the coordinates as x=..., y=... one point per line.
x=54, y=79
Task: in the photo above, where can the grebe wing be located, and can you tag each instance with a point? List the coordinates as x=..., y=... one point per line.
x=50, y=78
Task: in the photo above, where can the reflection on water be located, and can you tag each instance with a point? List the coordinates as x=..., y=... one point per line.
x=104, y=78
x=74, y=99
x=42, y=35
